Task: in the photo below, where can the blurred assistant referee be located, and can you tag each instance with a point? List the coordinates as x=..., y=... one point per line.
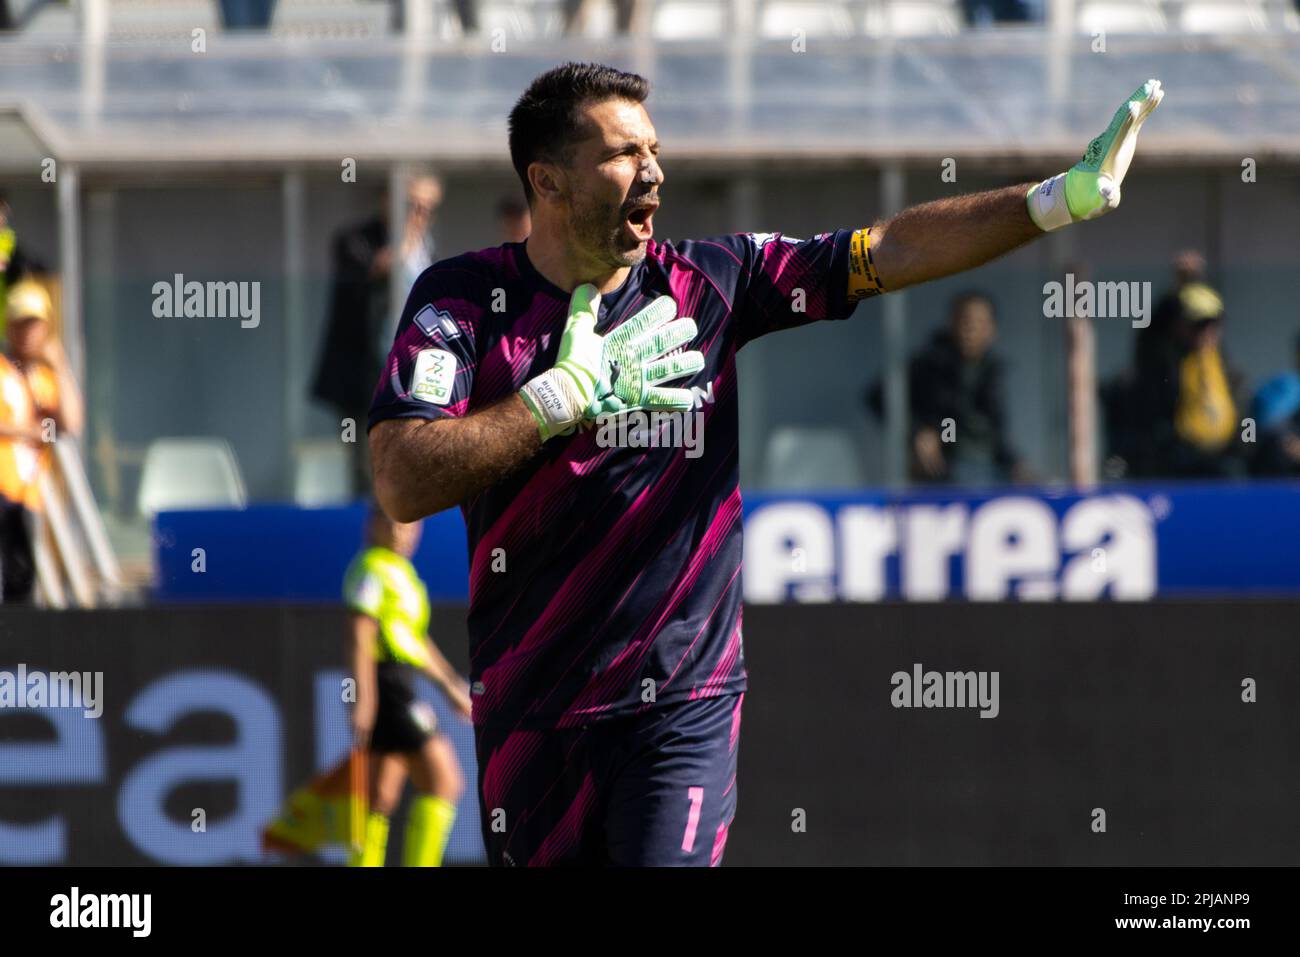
x=390, y=647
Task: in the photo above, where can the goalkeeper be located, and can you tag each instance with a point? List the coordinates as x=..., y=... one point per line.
x=607, y=657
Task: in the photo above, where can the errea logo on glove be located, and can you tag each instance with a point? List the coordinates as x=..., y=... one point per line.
x=434, y=376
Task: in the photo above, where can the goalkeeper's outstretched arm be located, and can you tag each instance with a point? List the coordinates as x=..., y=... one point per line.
x=945, y=236
x=950, y=235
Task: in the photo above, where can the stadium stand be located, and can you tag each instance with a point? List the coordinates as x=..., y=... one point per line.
x=666, y=20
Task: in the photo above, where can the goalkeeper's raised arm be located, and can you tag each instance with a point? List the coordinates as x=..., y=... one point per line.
x=947, y=236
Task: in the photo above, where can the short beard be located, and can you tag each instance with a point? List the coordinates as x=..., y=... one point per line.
x=595, y=237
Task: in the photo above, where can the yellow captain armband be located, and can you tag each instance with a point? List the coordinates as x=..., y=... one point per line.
x=863, y=281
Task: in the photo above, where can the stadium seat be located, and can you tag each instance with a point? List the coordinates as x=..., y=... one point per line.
x=689, y=20
x=907, y=18
x=191, y=472
x=811, y=458
x=779, y=19
x=1121, y=16
x=322, y=475
x=1223, y=16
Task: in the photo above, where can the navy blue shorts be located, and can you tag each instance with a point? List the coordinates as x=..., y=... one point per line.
x=653, y=789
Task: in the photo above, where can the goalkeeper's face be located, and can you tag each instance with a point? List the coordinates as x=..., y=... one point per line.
x=612, y=184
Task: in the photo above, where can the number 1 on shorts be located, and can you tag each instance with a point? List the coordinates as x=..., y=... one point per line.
x=696, y=797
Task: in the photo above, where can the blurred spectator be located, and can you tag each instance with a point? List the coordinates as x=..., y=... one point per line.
x=415, y=255
x=360, y=326
x=20, y=444
x=36, y=386
x=348, y=365
x=6, y=18
x=1136, y=403
x=14, y=264
x=982, y=13
x=1276, y=410
x=627, y=15
x=514, y=220
x=955, y=404
x=247, y=14
x=466, y=12
x=1188, y=390
x=1188, y=267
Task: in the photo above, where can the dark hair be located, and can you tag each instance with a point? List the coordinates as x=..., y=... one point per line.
x=964, y=299
x=544, y=124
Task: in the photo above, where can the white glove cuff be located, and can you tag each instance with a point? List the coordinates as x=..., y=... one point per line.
x=1047, y=206
x=554, y=400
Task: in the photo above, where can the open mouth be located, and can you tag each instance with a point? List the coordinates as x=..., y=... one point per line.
x=640, y=221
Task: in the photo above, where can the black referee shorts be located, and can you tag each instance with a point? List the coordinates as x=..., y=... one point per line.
x=403, y=723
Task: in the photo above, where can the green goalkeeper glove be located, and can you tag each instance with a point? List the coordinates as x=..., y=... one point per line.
x=637, y=362
x=1092, y=186
x=621, y=372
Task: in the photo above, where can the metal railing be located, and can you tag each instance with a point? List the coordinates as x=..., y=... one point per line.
x=74, y=560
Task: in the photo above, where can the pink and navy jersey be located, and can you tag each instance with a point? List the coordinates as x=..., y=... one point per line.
x=605, y=575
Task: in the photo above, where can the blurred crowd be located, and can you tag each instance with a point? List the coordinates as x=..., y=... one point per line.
x=1184, y=410
x=1179, y=410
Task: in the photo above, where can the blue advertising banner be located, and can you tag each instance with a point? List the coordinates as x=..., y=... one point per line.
x=286, y=553
x=1124, y=542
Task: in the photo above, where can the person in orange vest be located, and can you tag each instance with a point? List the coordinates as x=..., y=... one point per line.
x=39, y=401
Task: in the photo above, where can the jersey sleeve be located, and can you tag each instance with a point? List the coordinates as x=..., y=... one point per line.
x=363, y=590
x=430, y=368
x=786, y=282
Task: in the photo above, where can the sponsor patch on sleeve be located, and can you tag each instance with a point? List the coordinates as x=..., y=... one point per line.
x=436, y=321
x=762, y=239
x=434, y=376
